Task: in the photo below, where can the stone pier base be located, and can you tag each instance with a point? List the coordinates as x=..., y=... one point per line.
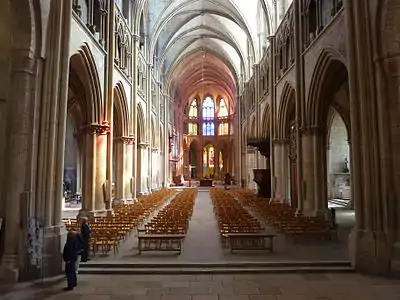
x=370, y=252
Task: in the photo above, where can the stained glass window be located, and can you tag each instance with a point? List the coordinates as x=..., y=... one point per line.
x=193, y=109
x=223, y=109
x=208, y=109
x=192, y=129
x=205, y=158
x=208, y=129
x=211, y=157
x=223, y=128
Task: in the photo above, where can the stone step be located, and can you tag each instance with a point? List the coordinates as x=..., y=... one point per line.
x=231, y=270
x=216, y=268
x=214, y=265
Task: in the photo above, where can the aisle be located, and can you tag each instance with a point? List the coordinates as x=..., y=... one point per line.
x=202, y=241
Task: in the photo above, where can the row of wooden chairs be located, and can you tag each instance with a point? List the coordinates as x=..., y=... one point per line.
x=108, y=232
x=284, y=218
x=232, y=217
x=174, y=217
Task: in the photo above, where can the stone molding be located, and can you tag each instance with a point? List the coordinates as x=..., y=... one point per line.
x=143, y=145
x=281, y=141
x=126, y=140
x=154, y=149
x=97, y=129
x=312, y=130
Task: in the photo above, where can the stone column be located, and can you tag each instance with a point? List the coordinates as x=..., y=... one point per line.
x=88, y=173
x=300, y=98
x=280, y=168
x=18, y=159
x=109, y=110
x=119, y=152
x=134, y=103
x=101, y=185
x=272, y=129
x=371, y=240
x=308, y=160
x=143, y=156
x=94, y=179
x=129, y=144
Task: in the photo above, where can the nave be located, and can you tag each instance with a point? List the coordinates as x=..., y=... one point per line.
x=200, y=219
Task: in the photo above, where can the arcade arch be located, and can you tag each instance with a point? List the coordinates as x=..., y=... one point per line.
x=327, y=135
x=86, y=141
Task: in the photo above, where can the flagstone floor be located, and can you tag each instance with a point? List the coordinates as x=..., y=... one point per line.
x=212, y=287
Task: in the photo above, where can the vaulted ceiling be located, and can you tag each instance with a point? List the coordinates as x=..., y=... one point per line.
x=201, y=43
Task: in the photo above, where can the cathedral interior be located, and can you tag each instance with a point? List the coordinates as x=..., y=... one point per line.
x=212, y=123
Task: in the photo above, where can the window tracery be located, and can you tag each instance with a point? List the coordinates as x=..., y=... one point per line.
x=208, y=129
x=193, y=111
x=193, y=129
x=208, y=109
x=223, y=109
x=223, y=128
x=211, y=120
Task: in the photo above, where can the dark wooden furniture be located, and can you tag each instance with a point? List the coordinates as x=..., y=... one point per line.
x=263, y=179
x=250, y=241
x=160, y=242
x=206, y=182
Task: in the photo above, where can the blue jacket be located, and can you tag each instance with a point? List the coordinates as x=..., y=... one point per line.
x=72, y=248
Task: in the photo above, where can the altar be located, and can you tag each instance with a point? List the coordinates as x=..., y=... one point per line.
x=206, y=182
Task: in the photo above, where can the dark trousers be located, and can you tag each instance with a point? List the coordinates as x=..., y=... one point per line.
x=70, y=271
x=85, y=252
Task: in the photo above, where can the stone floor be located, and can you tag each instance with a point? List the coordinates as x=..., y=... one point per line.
x=212, y=287
x=202, y=245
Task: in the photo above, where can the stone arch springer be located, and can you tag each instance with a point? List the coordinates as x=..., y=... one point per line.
x=328, y=57
x=121, y=108
x=95, y=108
x=141, y=124
x=285, y=108
x=266, y=121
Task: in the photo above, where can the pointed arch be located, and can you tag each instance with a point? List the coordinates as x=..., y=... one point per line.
x=162, y=138
x=154, y=140
x=328, y=76
x=83, y=64
x=140, y=124
x=286, y=110
x=265, y=126
x=121, y=114
x=252, y=128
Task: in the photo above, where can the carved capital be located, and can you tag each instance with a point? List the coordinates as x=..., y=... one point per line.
x=311, y=130
x=136, y=37
x=280, y=141
x=97, y=129
x=143, y=145
x=126, y=140
x=154, y=149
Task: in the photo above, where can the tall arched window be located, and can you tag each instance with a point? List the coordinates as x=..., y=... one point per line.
x=223, y=111
x=208, y=109
x=208, y=129
x=193, y=113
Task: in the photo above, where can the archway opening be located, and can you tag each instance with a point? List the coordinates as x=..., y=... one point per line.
x=72, y=164
x=338, y=162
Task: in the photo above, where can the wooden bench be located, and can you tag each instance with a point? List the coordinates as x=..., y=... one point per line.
x=250, y=241
x=160, y=242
